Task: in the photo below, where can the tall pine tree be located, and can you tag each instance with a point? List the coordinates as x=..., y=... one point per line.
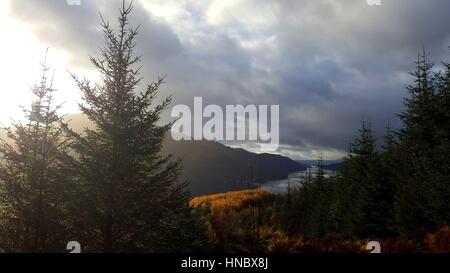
x=34, y=175
x=128, y=197
x=358, y=201
x=417, y=141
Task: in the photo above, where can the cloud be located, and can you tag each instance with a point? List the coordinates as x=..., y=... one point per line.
x=326, y=63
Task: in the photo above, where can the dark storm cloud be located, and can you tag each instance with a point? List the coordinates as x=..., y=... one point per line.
x=327, y=63
x=345, y=59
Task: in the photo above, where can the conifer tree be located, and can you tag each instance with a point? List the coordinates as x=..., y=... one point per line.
x=129, y=199
x=388, y=173
x=34, y=175
x=417, y=141
x=359, y=211
x=436, y=185
x=322, y=191
x=320, y=171
x=311, y=203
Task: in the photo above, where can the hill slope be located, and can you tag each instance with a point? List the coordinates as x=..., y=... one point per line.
x=334, y=166
x=211, y=167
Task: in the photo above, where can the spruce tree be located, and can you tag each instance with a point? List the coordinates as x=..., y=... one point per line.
x=311, y=202
x=359, y=211
x=129, y=199
x=417, y=141
x=438, y=182
x=388, y=173
x=322, y=191
x=320, y=171
x=34, y=173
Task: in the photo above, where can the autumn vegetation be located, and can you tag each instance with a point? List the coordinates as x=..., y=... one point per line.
x=251, y=220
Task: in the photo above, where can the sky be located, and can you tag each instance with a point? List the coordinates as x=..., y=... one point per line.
x=327, y=63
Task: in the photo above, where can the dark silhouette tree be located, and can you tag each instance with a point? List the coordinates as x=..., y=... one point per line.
x=360, y=188
x=389, y=170
x=128, y=197
x=417, y=143
x=440, y=171
x=34, y=176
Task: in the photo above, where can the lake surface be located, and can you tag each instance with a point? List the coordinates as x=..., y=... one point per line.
x=294, y=180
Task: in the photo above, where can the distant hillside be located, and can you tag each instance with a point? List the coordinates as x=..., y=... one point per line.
x=314, y=162
x=211, y=167
x=334, y=167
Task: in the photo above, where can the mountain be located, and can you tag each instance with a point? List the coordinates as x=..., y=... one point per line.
x=314, y=162
x=211, y=167
x=334, y=166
